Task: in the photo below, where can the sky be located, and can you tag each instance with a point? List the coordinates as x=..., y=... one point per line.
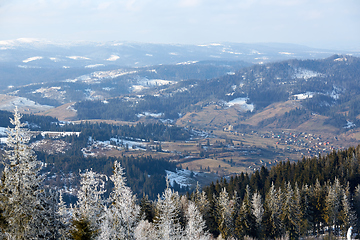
x=332, y=24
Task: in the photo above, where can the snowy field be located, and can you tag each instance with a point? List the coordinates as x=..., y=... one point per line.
x=242, y=103
x=154, y=115
x=32, y=59
x=187, y=178
x=181, y=177
x=154, y=82
x=94, y=146
x=98, y=76
x=302, y=96
x=23, y=104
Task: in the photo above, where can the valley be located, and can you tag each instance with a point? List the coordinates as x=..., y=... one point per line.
x=214, y=117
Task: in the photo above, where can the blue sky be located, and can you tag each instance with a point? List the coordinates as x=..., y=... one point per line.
x=319, y=23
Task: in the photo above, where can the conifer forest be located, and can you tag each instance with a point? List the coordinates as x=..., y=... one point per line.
x=317, y=198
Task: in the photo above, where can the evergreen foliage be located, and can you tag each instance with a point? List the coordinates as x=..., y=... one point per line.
x=28, y=210
x=268, y=204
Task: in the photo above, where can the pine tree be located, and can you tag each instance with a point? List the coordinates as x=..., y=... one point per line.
x=195, y=225
x=200, y=199
x=89, y=208
x=123, y=214
x=332, y=205
x=147, y=209
x=65, y=218
x=145, y=230
x=224, y=214
x=356, y=202
x=271, y=220
x=82, y=230
x=290, y=213
x=307, y=209
x=246, y=221
x=347, y=215
x=318, y=203
x=27, y=209
x=167, y=220
x=258, y=211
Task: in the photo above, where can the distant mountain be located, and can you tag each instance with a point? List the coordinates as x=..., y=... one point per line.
x=328, y=87
x=24, y=61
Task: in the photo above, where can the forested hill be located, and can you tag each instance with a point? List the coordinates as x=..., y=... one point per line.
x=342, y=165
x=300, y=199
x=326, y=86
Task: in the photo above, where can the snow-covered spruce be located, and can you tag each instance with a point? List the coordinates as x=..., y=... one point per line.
x=90, y=206
x=123, y=214
x=28, y=210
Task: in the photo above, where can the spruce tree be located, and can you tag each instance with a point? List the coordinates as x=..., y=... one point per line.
x=347, y=214
x=332, y=205
x=224, y=214
x=28, y=210
x=291, y=213
x=195, y=224
x=318, y=202
x=246, y=221
x=271, y=220
x=90, y=206
x=123, y=214
x=258, y=211
x=167, y=220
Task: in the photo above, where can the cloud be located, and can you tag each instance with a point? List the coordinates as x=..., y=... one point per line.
x=189, y=3
x=104, y=5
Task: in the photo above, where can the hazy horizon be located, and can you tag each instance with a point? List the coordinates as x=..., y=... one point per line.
x=326, y=24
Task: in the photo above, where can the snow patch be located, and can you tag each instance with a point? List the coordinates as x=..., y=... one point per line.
x=286, y=53
x=78, y=57
x=32, y=59
x=113, y=58
x=43, y=90
x=129, y=143
x=211, y=44
x=349, y=124
x=155, y=82
x=341, y=59
x=24, y=66
x=54, y=59
x=242, y=103
x=187, y=63
x=302, y=96
x=108, y=88
x=181, y=177
x=94, y=65
x=137, y=88
x=24, y=105
x=154, y=115
x=306, y=74
x=335, y=94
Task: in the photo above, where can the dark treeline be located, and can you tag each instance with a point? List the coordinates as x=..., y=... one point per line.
x=147, y=132
x=310, y=197
x=145, y=175
x=102, y=131
x=35, y=122
x=343, y=165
